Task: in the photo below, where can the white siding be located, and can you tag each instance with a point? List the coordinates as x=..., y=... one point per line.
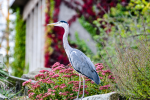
x=35, y=36
x=43, y=31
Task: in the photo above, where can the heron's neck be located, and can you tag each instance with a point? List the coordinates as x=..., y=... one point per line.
x=65, y=39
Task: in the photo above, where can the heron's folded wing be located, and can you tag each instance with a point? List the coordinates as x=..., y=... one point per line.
x=81, y=63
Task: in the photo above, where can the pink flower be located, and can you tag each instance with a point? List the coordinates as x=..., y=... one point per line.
x=36, y=86
x=26, y=82
x=104, y=87
x=103, y=73
x=74, y=90
x=106, y=71
x=55, y=87
x=98, y=64
x=86, y=92
x=82, y=86
x=101, y=77
x=63, y=93
x=71, y=94
x=55, y=76
x=68, y=70
x=29, y=91
x=92, y=82
x=88, y=80
x=40, y=76
x=50, y=82
x=70, y=82
x=61, y=71
x=43, y=71
x=57, y=68
x=51, y=73
x=60, y=92
x=53, y=94
x=62, y=86
x=74, y=74
x=50, y=90
x=67, y=76
x=55, y=65
x=111, y=77
x=76, y=83
x=31, y=94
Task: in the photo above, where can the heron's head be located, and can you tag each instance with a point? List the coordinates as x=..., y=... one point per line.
x=59, y=23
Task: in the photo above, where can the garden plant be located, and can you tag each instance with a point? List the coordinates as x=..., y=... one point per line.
x=63, y=83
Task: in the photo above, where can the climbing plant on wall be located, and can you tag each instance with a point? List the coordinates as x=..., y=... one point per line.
x=54, y=47
x=18, y=64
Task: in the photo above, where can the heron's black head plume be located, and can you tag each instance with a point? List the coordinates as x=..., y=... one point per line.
x=63, y=21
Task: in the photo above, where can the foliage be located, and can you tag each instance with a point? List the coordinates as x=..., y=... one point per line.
x=117, y=26
x=133, y=72
x=9, y=92
x=120, y=46
x=3, y=78
x=6, y=87
x=18, y=65
x=81, y=45
x=62, y=83
x=87, y=26
x=139, y=6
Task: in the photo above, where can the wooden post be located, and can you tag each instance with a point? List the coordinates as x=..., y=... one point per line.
x=7, y=35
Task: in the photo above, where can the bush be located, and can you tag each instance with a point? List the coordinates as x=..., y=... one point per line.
x=133, y=72
x=62, y=83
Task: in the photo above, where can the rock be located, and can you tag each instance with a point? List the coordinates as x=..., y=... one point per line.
x=32, y=74
x=2, y=97
x=108, y=96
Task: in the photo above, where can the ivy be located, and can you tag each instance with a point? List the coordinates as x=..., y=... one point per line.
x=87, y=26
x=19, y=50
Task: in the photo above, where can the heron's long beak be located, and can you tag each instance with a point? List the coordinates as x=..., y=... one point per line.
x=52, y=24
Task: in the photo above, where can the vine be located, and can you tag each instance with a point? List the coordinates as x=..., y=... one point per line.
x=19, y=50
x=54, y=47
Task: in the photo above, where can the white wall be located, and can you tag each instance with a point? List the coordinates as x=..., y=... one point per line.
x=34, y=17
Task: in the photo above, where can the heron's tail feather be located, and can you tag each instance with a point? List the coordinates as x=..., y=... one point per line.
x=96, y=78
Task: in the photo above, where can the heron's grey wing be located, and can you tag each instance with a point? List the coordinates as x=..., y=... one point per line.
x=76, y=61
x=87, y=60
x=83, y=65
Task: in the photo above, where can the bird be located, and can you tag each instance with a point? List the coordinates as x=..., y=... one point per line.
x=80, y=62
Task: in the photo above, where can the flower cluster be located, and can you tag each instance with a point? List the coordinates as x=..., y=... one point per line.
x=64, y=83
x=26, y=82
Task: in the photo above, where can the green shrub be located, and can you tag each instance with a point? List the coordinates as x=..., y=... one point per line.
x=62, y=83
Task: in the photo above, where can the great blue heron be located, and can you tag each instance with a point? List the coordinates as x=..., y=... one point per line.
x=80, y=62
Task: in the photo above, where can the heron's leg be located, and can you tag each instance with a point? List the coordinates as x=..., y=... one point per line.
x=83, y=86
x=79, y=85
